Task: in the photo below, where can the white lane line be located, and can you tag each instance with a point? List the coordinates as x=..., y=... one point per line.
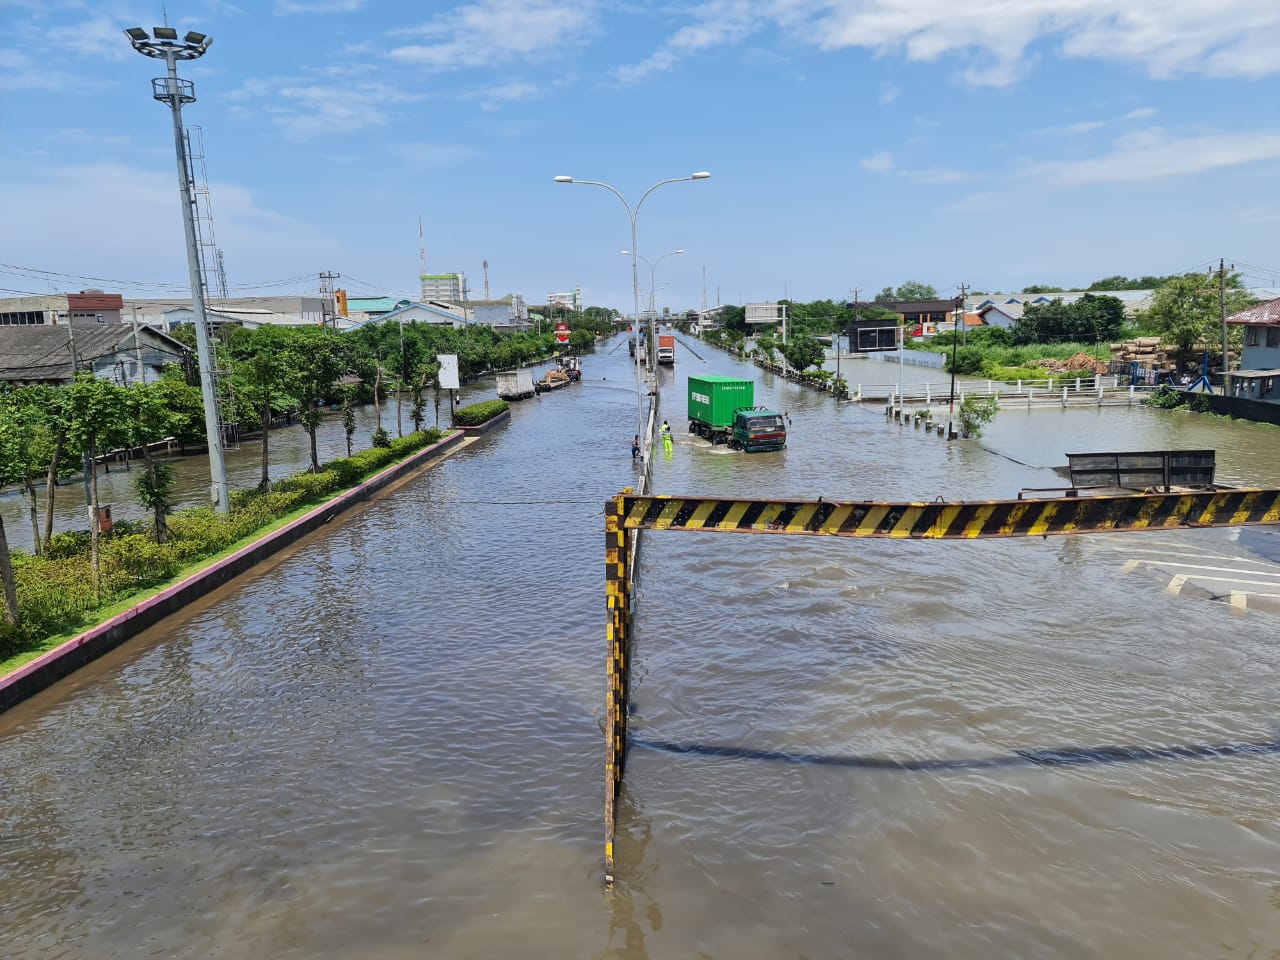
x=1175, y=585
x=1274, y=572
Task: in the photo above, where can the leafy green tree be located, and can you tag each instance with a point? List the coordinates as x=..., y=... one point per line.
x=803, y=352
x=1091, y=319
x=101, y=420
x=1039, y=288
x=151, y=421
x=263, y=374
x=12, y=470
x=1185, y=310
x=911, y=290
x=317, y=361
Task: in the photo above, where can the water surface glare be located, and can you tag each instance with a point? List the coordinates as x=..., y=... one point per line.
x=386, y=743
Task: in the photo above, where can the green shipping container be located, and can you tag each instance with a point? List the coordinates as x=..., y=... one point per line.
x=713, y=399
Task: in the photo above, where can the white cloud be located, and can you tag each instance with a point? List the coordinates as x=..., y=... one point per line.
x=888, y=94
x=112, y=238
x=489, y=32
x=994, y=38
x=312, y=7
x=305, y=110
x=1154, y=155
x=1140, y=114
x=881, y=162
x=497, y=96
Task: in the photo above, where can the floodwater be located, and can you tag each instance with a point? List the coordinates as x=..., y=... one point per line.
x=386, y=743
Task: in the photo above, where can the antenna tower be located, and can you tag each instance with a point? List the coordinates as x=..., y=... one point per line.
x=485, y=264
x=207, y=250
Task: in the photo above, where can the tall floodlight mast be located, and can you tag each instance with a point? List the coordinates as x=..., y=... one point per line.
x=163, y=44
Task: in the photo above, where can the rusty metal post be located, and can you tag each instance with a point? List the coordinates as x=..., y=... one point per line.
x=618, y=668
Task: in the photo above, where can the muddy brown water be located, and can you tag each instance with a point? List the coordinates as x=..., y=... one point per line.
x=386, y=742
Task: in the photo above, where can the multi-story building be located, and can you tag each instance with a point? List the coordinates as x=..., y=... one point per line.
x=87, y=306
x=566, y=301
x=443, y=286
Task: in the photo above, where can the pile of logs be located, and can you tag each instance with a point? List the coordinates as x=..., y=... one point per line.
x=1147, y=353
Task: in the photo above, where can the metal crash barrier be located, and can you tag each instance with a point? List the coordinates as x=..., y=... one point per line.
x=908, y=520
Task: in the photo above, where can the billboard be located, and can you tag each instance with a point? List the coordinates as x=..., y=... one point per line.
x=449, y=371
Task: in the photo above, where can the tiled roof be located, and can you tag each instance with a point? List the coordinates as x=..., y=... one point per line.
x=1267, y=312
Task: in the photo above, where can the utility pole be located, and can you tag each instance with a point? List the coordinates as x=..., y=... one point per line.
x=955, y=341
x=328, y=312
x=1222, y=311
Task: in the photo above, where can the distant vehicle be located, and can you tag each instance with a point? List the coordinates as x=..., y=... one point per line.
x=515, y=384
x=722, y=410
x=667, y=348
x=567, y=370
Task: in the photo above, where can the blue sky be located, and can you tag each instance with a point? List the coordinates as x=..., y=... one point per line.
x=852, y=144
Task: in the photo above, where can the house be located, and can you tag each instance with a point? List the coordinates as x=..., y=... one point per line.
x=1003, y=315
x=87, y=306
x=251, y=318
x=922, y=317
x=43, y=354
x=434, y=312
x=1259, y=375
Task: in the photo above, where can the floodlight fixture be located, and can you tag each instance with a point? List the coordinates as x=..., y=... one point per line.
x=164, y=33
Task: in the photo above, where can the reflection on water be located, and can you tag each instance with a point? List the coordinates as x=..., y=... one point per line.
x=386, y=743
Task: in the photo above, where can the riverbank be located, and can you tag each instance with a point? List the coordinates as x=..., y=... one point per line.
x=32, y=671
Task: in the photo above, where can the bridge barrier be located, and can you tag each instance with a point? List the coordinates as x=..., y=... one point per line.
x=628, y=513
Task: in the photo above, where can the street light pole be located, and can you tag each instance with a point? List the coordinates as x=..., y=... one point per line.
x=653, y=268
x=632, y=213
x=176, y=92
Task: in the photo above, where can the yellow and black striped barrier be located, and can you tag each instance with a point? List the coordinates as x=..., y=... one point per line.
x=906, y=520
x=958, y=520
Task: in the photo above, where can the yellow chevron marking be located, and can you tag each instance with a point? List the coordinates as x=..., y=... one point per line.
x=975, y=526
x=837, y=518
x=800, y=522
x=942, y=524
x=1016, y=514
x=700, y=514
x=767, y=518
x=669, y=511
x=731, y=519
x=872, y=520
x=908, y=520
x=1047, y=512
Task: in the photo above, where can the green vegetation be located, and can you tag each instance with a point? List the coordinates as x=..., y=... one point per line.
x=478, y=413
x=975, y=413
x=58, y=591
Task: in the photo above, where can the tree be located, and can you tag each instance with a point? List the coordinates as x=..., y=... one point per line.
x=803, y=352
x=100, y=421
x=1040, y=288
x=911, y=290
x=11, y=471
x=263, y=373
x=317, y=360
x=151, y=421
x=1091, y=319
x=1185, y=310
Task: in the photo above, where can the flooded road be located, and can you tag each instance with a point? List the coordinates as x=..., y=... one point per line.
x=386, y=743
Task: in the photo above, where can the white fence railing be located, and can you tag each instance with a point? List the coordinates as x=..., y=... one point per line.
x=1032, y=391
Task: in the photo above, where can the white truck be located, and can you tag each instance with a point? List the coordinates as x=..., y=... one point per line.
x=515, y=384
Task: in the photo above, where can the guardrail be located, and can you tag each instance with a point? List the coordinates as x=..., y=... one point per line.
x=1030, y=390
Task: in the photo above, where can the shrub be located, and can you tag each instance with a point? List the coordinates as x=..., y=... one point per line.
x=1165, y=397
x=56, y=590
x=975, y=413
x=381, y=438
x=479, y=413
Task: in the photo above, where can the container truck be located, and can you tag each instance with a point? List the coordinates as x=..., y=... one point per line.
x=722, y=410
x=515, y=384
x=667, y=348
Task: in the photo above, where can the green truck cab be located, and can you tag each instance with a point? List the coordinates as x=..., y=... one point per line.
x=758, y=429
x=722, y=410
